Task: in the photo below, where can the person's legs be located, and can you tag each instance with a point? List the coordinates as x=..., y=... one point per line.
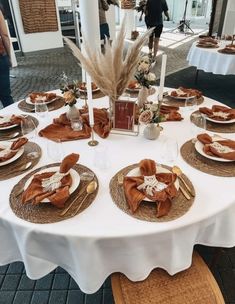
x=157, y=34
x=155, y=46
x=150, y=45
x=5, y=91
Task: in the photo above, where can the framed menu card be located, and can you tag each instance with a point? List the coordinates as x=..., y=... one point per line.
x=124, y=117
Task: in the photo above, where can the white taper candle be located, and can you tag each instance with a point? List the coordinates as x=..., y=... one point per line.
x=89, y=99
x=162, y=78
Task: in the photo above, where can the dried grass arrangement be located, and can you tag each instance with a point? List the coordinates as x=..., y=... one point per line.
x=111, y=71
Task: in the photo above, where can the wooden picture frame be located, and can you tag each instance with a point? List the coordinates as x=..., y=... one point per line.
x=124, y=117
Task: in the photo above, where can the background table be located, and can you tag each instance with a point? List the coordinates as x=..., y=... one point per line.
x=103, y=239
x=210, y=60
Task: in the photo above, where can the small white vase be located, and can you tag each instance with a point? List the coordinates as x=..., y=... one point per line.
x=152, y=131
x=142, y=96
x=73, y=113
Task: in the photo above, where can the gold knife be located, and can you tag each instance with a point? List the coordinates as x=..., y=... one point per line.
x=184, y=193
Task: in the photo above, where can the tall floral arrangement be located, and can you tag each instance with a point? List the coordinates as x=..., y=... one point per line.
x=112, y=70
x=70, y=91
x=143, y=75
x=151, y=114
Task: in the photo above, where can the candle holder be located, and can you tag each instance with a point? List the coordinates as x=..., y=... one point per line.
x=92, y=142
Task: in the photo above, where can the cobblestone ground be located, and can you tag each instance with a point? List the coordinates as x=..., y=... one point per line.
x=42, y=72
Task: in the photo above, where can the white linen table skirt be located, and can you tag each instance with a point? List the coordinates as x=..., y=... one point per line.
x=210, y=60
x=102, y=239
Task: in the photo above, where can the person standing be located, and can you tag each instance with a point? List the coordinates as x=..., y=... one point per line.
x=154, y=19
x=104, y=27
x=5, y=63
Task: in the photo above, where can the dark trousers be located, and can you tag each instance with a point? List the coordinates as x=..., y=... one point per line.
x=5, y=90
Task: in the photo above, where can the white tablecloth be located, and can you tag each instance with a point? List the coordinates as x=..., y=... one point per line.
x=102, y=239
x=210, y=60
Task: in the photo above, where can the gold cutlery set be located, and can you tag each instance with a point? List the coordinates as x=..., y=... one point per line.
x=89, y=189
x=183, y=186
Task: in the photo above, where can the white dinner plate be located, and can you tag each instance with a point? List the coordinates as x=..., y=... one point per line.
x=28, y=101
x=220, y=121
x=15, y=157
x=8, y=127
x=199, y=147
x=136, y=172
x=181, y=98
x=93, y=91
x=74, y=174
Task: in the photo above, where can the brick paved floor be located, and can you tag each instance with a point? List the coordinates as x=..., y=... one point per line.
x=42, y=72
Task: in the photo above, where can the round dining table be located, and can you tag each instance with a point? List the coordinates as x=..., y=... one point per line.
x=210, y=60
x=103, y=239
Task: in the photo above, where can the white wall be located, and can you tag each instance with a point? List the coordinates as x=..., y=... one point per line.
x=36, y=41
x=229, y=21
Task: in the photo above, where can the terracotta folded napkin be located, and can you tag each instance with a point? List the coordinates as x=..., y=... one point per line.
x=223, y=148
x=61, y=129
x=220, y=113
x=51, y=185
x=158, y=187
x=208, y=40
x=230, y=46
x=184, y=92
x=34, y=96
x=6, y=121
x=9, y=150
x=170, y=113
x=101, y=121
x=228, y=50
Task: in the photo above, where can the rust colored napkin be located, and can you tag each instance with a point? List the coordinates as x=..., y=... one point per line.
x=220, y=148
x=35, y=192
x=216, y=112
x=101, y=122
x=184, y=92
x=228, y=50
x=35, y=95
x=135, y=191
x=15, y=146
x=208, y=39
x=14, y=120
x=61, y=129
x=170, y=113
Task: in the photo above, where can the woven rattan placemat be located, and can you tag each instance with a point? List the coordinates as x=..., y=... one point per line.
x=7, y=134
x=147, y=210
x=213, y=167
x=178, y=102
x=95, y=95
x=47, y=213
x=215, y=127
x=16, y=168
x=225, y=52
x=208, y=47
x=28, y=108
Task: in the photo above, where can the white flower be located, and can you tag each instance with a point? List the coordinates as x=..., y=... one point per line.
x=145, y=117
x=154, y=107
x=150, y=77
x=143, y=67
x=145, y=59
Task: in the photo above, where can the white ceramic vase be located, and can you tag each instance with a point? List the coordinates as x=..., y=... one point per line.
x=152, y=131
x=73, y=113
